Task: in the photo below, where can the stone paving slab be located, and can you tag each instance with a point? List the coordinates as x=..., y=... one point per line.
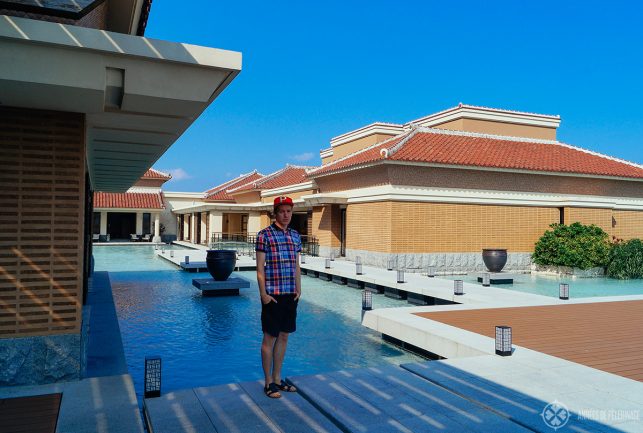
x=501, y=385
x=390, y=399
x=231, y=409
x=179, y=411
x=292, y=413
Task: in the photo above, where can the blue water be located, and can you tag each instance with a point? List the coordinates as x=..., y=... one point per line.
x=208, y=341
x=578, y=287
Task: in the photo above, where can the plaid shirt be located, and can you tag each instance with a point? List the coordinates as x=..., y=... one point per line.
x=281, y=248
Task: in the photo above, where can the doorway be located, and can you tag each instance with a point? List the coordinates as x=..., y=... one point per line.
x=121, y=224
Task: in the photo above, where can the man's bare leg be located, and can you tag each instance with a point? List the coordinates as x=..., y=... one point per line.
x=267, y=356
x=278, y=358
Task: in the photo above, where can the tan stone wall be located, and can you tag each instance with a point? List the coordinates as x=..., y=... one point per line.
x=265, y=219
x=628, y=224
x=476, y=179
x=326, y=223
x=367, y=177
x=503, y=181
x=232, y=223
x=150, y=183
x=355, y=145
x=408, y=227
x=292, y=195
x=368, y=226
x=499, y=128
x=247, y=197
x=42, y=187
x=599, y=217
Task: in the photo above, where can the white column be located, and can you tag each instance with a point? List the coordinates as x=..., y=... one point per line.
x=254, y=223
x=139, y=223
x=103, y=223
x=157, y=228
x=204, y=227
x=216, y=222
x=194, y=228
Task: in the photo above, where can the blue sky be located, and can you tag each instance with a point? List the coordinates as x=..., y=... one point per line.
x=314, y=70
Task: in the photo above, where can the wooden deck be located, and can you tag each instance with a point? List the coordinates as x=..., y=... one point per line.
x=37, y=414
x=607, y=336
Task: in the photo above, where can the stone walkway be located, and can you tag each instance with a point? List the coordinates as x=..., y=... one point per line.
x=413, y=398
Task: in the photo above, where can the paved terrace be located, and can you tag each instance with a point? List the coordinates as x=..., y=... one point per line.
x=436, y=396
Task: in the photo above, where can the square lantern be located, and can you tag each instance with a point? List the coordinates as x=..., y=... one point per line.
x=430, y=272
x=358, y=269
x=152, y=376
x=400, y=276
x=503, y=340
x=332, y=256
x=563, y=291
x=367, y=300
x=458, y=287
x=486, y=279
x=327, y=264
x=187, y=260
x=163, y=250
x=171, y=253
x=358, y=260
x=303, y=259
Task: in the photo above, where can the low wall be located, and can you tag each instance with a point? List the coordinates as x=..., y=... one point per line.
x=39, y=360
x=444, y=262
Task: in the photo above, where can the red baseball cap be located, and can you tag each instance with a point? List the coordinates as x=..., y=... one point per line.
x=282, y=200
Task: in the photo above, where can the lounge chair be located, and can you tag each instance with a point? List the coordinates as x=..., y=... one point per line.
x=133, y=237
x=146, y=237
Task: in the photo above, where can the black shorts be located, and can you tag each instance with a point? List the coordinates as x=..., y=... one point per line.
x=279, y=317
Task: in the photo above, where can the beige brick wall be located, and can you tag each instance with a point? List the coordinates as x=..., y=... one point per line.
x=629, y=224
x=326, y=225
x=599, y=217
x=368, y=226
x=353, y=146
x=408, y=227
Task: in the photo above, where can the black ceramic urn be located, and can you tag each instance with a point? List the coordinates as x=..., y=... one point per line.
x=494, y=258
x=221, y=263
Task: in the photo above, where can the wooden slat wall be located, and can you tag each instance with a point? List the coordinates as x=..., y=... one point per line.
x=42, y=173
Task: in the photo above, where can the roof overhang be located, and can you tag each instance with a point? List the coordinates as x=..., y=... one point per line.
x=139, y=95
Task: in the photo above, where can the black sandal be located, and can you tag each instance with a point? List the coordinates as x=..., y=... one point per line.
x=283, y=386
x=272, y=389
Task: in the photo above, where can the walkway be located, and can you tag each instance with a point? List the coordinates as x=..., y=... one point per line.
x=606, y=336
x=436, y=396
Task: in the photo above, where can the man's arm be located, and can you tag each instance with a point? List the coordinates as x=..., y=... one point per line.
x=297, y=279
x=261, y=278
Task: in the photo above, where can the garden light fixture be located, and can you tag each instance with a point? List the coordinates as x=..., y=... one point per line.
x=503, y=340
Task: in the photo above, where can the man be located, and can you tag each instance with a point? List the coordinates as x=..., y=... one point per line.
x=279, y=278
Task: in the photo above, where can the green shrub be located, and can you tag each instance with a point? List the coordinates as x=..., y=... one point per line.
x=576, y=245
x=626, y=260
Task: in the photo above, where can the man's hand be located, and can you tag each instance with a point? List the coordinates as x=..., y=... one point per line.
x=266, y=299
x=297, y=293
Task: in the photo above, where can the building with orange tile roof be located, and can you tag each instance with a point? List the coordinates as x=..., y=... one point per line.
x=439, y=189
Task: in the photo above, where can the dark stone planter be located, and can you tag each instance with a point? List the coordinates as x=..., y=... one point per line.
x=221, y=263
x=494, y=258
